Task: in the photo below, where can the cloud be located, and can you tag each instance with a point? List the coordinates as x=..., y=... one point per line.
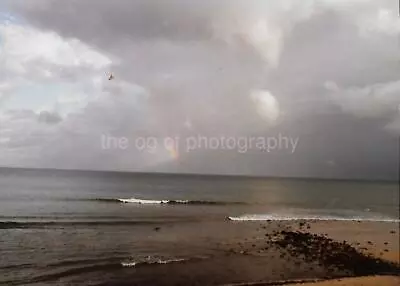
x=34, y=59
x=25, y=47
x=256, y=23
x=56, y=100
x=373, y=101
x=380, y=101
x=267, y=105
x=49, y=117
x=52, y=75
x=22, y=138
x=384, y=20
x=394, y=126
x=4, y=87
x=232, y=67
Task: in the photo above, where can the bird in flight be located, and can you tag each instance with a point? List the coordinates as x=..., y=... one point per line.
x=111, y=77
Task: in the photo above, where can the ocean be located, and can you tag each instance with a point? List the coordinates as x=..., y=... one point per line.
x=88, y=228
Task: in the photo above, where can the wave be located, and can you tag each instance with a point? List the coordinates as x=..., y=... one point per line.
x=280, y=217
x=159, y=261
x=158, y=202
x=174, y=202
x=154, y=260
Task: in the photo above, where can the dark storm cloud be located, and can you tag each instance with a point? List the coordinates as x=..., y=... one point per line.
x=201, y=60
x=166, y=46
x=101, y=20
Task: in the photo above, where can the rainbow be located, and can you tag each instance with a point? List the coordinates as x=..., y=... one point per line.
x=173, y=152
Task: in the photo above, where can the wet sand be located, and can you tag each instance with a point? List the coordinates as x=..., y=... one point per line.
x=224, y=252
x=379, y=240
x=376, y=238
x=358, y=281
x=278, y=253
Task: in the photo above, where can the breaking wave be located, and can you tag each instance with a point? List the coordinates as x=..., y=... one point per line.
x=171, y=202
x=280, y=217
x=154, y=260
x=149, y=262
x=158, y=202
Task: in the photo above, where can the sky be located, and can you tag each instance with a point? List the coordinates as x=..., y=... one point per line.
x=264, y=88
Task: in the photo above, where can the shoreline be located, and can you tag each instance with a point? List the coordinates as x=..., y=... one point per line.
x=388, y=280
x=258, y=253
x=343, y=229
x=283, y=253
x=353, y=281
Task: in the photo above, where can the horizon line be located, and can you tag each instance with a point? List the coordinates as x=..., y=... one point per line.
x=244, y=176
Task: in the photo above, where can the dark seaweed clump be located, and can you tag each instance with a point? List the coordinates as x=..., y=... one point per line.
x=334, y=254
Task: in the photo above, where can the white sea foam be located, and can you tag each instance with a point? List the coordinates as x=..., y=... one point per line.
x=152, y=202
x=171, y=202
x=139, y=201
x=159, y=261
x=170, y=261
x=279, y=217
x=129, y=264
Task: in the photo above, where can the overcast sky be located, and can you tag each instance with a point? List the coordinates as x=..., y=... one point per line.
x=325, y=73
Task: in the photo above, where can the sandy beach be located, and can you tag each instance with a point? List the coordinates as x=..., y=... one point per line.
x=248, y=253
x=377, y=239
x=359, y=281
x=254, y=253
x=278, y=253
